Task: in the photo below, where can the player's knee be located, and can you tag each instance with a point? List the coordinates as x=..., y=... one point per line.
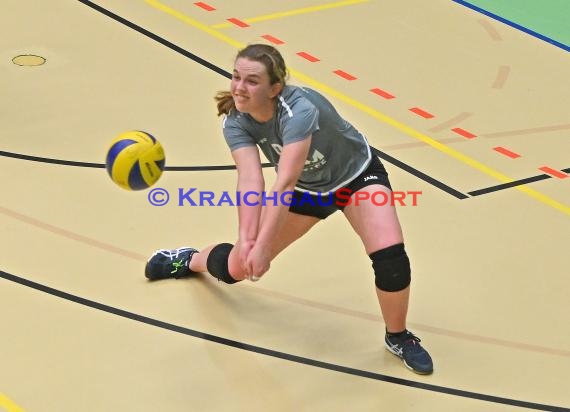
x=218, y=263
x=391, y=268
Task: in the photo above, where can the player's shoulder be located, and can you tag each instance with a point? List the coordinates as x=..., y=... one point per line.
x=235, y=119
x=295, y=99
x=294, y=94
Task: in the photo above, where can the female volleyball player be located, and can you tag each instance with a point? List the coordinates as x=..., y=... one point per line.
x=323, y=164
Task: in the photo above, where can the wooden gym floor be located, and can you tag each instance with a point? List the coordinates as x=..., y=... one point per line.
x=468, y=106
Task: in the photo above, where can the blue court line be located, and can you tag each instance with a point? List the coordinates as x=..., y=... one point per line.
x=514, y=25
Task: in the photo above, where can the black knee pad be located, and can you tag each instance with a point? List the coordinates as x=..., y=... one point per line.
x=217, y=262
x=391, y=268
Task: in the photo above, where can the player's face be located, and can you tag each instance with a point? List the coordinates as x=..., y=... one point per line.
x=252, y=91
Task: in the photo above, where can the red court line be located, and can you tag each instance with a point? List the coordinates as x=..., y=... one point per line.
x=309, y=57
x=463, y=133
x=506, y=152
x=272, y=39
x=553, y=172
x=205, y=6
x=238, y=22
x=382, y=93
x=421, y=113
x=344, y=75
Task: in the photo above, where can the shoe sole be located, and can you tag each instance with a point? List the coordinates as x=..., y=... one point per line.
x=389, y=349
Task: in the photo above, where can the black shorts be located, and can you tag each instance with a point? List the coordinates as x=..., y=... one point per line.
x=325, y=204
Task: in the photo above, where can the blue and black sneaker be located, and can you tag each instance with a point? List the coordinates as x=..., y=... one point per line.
x=169, y=263
x=407, y=347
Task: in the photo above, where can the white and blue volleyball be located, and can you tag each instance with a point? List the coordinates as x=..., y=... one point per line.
x=135, y=160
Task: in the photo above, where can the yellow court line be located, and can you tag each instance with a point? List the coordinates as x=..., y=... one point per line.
x=428, y=140
x=188, y=20
x=295, y=12
x=376, y=114
x=7, y=405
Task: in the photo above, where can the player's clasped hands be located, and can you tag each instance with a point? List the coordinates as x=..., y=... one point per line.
x=257, y=262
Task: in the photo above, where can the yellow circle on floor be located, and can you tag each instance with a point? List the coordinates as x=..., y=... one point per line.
x=28, y=60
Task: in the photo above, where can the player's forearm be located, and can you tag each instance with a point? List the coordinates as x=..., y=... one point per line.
x=274, y=214
x=249, y=210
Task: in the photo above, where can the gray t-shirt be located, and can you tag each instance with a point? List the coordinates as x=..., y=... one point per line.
x=338, y=152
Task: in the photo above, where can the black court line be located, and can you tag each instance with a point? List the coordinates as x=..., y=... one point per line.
x=51, y=161
x=276, y=354
x=102, y=165
x=515, y=183
x=377, y=152
x=453, y=192
x=420, y=175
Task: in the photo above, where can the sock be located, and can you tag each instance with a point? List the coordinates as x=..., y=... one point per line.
x=189, y=260
x=396, y=334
